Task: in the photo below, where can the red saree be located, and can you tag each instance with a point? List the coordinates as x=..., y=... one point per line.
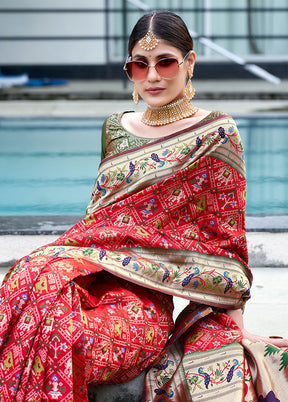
x=166, y=218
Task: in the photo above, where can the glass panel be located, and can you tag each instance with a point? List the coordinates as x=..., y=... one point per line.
x=224, y=19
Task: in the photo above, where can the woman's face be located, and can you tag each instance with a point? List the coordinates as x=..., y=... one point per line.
x=158, y=91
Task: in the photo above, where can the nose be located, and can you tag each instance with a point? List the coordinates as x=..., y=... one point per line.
x=153, y=75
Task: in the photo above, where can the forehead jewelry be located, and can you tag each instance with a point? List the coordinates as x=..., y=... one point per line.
x=149, y=41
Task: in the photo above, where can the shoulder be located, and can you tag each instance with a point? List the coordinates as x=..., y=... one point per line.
x=208, y=116
x=223, y=124
x=130, y=119
x=223, y=118
x=227, y=120
x=114, y=117
x=220, y=114
x=126, y=114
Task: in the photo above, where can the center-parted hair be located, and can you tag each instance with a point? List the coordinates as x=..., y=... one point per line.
x=166, y=26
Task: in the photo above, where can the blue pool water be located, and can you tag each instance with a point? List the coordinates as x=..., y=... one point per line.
x=48, y=166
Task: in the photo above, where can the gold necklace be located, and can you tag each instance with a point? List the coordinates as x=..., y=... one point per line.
x=177, y=110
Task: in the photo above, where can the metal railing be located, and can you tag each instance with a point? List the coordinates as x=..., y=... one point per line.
x=124, y=11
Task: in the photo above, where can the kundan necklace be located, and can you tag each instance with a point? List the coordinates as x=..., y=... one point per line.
x=174, y=111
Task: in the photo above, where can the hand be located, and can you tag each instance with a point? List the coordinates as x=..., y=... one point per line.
x=237, y=316
x=280, y=343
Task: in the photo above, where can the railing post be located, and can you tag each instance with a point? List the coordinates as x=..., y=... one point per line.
x=107, y=31
x=124, y=32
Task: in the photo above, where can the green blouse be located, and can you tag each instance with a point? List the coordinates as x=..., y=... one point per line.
x=116, y=139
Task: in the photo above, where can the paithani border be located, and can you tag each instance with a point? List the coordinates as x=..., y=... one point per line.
x=201, y=123
x=206, y=260
x=176, y=141
x=193, y=361
x=113, y=262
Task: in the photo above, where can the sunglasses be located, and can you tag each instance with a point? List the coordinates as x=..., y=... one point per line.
x=167, y=67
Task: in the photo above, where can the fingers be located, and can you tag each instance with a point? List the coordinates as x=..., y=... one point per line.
x=275, y=341
x=280, y=343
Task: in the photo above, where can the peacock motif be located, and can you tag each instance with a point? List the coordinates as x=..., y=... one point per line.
x=190, y=276
x=156, y=158
x=229, y=282
x=222, y=134
x=132, y=170
x=126, y=261
x=102, y=254
x=99, y=188
x=166, y=273
x=231, y=371
x=159, y=391
x=160, y=366
x=206, y=377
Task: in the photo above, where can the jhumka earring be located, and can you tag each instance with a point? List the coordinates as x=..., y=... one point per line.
x=189, y=89
x=135, y=95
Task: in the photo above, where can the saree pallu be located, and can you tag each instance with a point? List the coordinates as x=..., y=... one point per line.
x=166, y=219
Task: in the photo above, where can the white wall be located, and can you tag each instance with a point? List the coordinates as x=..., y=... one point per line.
x=51, y=24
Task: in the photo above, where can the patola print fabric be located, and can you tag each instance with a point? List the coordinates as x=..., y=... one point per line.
x=167, y=218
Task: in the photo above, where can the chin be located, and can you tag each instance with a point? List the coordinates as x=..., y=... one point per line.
x=158, y=102
x=162, y=101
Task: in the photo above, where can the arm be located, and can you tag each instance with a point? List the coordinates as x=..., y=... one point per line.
x=237, y=316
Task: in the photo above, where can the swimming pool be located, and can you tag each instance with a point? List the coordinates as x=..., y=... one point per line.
x=48, y=166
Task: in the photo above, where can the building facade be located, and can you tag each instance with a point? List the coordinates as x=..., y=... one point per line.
x=88, y=39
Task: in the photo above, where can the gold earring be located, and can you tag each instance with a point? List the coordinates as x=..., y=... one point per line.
x=135, y=95
x=189, y=89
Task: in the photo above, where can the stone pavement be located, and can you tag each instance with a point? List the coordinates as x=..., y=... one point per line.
x=100, y=98
x=122, y=89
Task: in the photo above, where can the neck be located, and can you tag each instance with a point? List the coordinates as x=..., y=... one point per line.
x=174, y=111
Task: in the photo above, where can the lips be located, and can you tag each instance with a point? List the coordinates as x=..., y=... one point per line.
x=154, y=90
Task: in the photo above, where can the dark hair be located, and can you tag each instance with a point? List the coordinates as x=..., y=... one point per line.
x=165, y=25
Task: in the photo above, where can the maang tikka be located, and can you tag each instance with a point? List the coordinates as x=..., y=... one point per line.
x=149, y=41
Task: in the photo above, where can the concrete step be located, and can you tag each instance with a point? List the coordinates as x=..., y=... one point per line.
x=121, y=90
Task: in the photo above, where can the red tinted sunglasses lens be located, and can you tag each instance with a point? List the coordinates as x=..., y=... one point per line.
x=136, y=70
x=167, y=68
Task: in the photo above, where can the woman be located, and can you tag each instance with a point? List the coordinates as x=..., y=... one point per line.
x=166, y=218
